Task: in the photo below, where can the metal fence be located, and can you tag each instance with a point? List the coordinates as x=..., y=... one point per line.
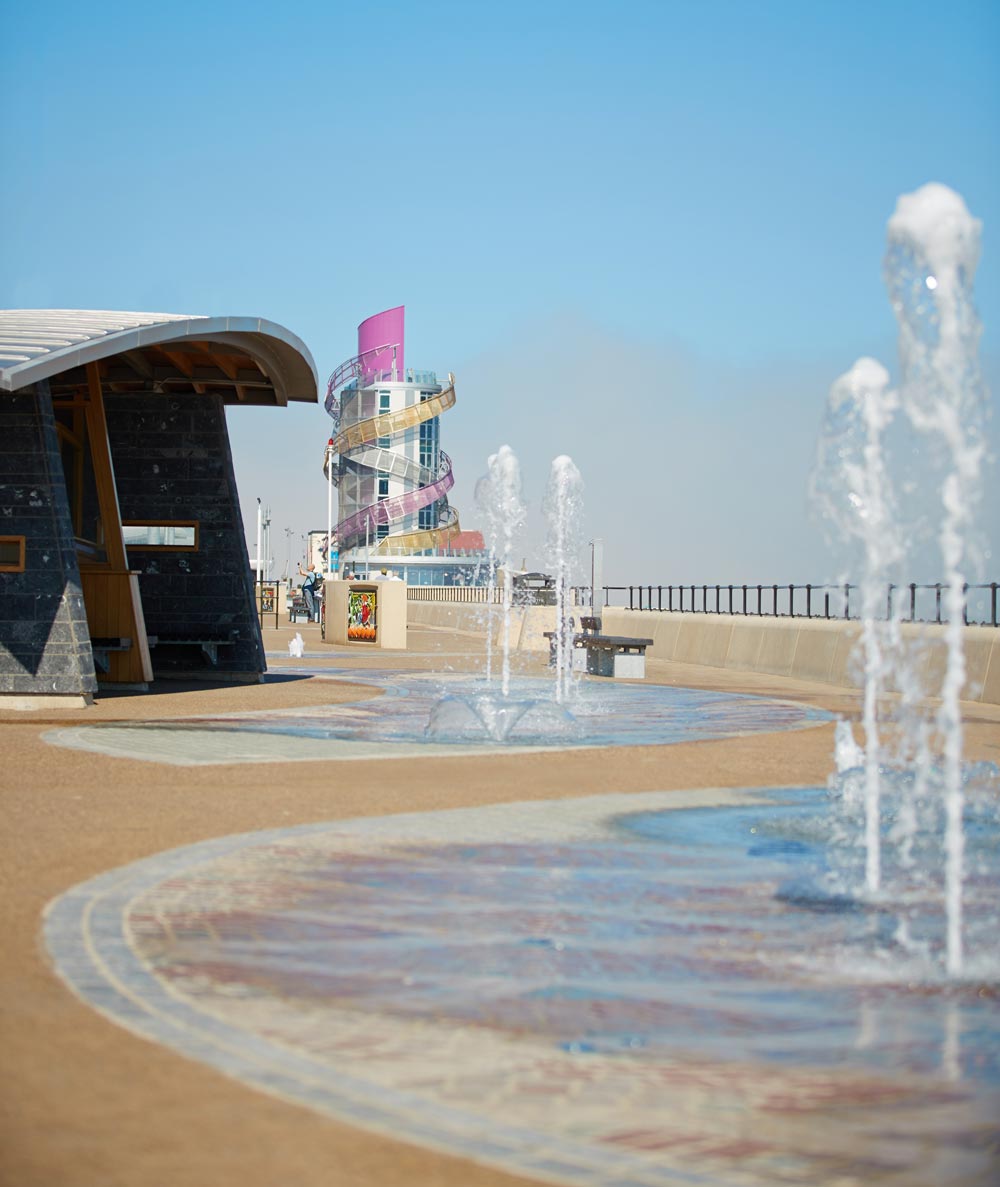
x=492, y=595
x=910, y=603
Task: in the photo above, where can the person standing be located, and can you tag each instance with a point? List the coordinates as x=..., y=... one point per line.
x=309, y=590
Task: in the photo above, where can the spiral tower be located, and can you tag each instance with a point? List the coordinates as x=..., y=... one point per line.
x=385, y=457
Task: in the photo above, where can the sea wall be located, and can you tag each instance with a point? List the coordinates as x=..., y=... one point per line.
x=816, y=650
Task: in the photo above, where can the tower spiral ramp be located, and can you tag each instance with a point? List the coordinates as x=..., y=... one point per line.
x=358, y=452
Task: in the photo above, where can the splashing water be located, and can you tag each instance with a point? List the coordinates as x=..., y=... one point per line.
x=933, y=249
x=482, y=712
x=853, y=487
x=931, y=260
x=563, y=507
x=498, y=495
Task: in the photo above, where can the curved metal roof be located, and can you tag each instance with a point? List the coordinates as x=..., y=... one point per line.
x=37, y=344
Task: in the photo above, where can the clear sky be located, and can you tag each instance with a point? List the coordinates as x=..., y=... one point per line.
x=646, y=235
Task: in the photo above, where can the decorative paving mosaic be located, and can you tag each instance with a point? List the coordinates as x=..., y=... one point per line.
x=397, y=724
x=614, y=991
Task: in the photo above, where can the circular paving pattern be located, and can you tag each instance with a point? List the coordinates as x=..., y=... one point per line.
x=397, y=724
x=616, y=990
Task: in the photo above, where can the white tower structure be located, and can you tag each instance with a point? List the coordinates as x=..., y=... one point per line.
x=387, y=463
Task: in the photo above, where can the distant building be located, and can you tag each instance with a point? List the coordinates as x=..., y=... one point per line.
x=391, y=473
x=122, y=552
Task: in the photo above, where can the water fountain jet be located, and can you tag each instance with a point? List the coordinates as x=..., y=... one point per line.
x=563, y=507
x=933, y=248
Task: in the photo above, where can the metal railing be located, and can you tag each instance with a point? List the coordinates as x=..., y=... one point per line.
x=269, y=598
x=910, y=603
x=453, y=593
x=919, y=603
x=488, y=595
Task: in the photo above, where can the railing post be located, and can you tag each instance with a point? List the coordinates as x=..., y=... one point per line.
x=760, y=601
x=693, y=610
x=965, y=603
x=730, y=600
x=913, y=601
x=888, y=603
x=670, y=598
x=809, y=589
x=937, y=602
x=775, y=601
x=704, y=599
x=847, y=600
x=993, y=599
x=744, y=601
x=826, y=600
x=791, y=601
x=659, y=597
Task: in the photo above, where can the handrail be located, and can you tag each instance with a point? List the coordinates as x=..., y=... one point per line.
x=387, y=424
x=915, y=602
x=358, y=444
x=352, y=369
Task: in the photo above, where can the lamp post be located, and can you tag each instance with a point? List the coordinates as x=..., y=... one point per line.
x=260, y=525
x=596, y=571
x=329, y=509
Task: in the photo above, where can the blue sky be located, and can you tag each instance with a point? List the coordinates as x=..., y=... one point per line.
x=649, y=236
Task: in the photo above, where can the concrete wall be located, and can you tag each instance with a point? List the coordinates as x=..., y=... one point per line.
x=44, y=640
x=172, y=461
x=814, y=650
x=526, y=622
x=806, y=649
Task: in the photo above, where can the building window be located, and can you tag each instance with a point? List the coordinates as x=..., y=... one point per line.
x=429, y=439
x=12, y=554
x=160, y=535
x=381, y=531
x=383, y=486
x=81, y=482
x=383, y=401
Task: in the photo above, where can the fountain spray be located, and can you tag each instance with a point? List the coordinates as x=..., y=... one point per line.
x=563, y=507
x=933, y=250
x=498, y=494
x=852, y=487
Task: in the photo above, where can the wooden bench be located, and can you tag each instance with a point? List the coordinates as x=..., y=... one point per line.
x=209, y=644
x=603, y=655
x=102, y=648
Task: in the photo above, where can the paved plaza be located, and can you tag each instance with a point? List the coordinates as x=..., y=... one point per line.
x=178, y=1007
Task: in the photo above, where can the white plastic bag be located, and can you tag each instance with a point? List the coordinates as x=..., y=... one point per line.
x=296, y=647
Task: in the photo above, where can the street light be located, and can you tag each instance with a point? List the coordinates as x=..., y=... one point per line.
x=260, y=525
x=329, y=509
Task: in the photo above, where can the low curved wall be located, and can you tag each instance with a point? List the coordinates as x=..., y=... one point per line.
x=812, y=649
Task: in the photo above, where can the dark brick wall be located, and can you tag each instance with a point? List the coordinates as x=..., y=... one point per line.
x=172, y=461
x=44, y=641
